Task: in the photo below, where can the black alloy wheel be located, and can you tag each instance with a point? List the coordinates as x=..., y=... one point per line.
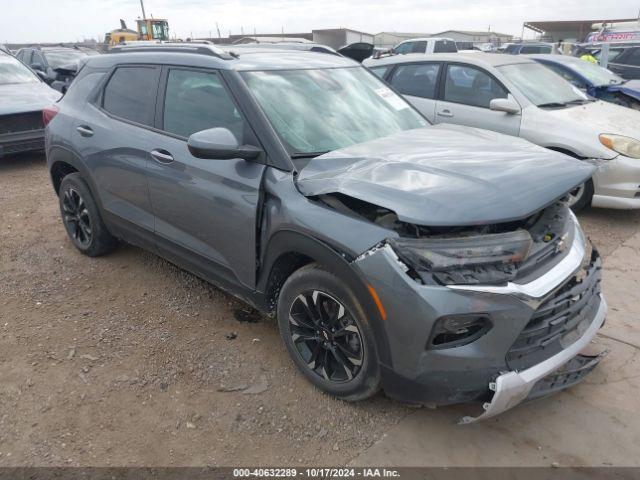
x=326, y=336
x=76, y=218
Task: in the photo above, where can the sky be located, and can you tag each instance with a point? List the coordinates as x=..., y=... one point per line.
x=24, y=21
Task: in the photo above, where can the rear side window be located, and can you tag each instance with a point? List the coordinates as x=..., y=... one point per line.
x=445, y=46
x=198, y=101
x=418, y=80
x=131, y=94
x=471, y=86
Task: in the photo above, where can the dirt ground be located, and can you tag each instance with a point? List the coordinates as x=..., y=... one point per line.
x=127, y=360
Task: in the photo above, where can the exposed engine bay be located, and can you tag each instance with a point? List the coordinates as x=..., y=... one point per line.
x=532, y=242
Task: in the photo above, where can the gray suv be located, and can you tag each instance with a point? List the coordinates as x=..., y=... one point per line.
x=439, y=263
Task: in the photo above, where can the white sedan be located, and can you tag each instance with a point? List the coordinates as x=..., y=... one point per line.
x=518, y=96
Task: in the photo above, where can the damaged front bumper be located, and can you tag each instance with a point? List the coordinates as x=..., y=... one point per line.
x=485, y=370
x=513, y=388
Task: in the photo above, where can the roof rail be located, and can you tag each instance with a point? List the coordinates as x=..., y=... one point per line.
x=201, y=49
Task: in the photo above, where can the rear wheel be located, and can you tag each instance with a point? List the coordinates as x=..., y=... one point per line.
x=327, y=335
x=81, y=218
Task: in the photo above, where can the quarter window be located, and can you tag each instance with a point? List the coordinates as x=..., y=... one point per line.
x=418, y=80
x=470, y=86
x=198, y=101
x=131, y=94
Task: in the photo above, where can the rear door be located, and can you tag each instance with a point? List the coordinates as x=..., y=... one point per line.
x=205, y=210
x=112, y=135
x=464, y=97
x=418, y=83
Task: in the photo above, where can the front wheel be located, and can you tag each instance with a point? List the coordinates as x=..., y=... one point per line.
x=327, y=334
x=581, y=196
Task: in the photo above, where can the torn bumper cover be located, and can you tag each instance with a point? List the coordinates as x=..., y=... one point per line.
x=513, y=388
x=530, y=346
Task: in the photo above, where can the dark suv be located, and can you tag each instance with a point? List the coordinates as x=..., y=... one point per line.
x=626, y=62
x=438, y=263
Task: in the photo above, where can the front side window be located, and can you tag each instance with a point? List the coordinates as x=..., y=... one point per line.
x=418, y=80
x=380, y=71
x=12, y=72
x=541, y=86
x=315, y=111
x=471, y=86
x=131, y=94
x=198, y=101
x=403, y=48
x=419, y=47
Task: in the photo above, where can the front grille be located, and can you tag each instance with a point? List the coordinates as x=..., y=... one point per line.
x=21, y=122
x=560, y=319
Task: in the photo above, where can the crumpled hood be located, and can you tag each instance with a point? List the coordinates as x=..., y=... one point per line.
x=447, y=175
x=601, y=117
x=630, y=87
x=26, y=97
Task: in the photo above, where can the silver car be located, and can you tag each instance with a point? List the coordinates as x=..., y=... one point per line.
x=518, y=96
x=22, y=97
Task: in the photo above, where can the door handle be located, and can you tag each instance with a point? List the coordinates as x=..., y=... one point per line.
x=85, y=131
x=162, y=156
x=445, y=113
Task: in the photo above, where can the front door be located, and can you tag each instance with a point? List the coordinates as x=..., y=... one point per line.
x=205, y=210
x=464, y=100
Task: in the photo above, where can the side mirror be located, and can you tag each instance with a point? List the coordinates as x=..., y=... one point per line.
x=506, y=105
x=220, y=144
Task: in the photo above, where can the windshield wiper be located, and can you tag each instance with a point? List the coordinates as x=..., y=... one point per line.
x=552, y=105
x=296, y=155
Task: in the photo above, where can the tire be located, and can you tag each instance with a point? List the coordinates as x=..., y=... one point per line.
x=358, y=376
x=581, y=196
x=81, y=218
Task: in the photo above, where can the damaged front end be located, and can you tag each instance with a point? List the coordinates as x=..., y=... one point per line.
x=525, y=294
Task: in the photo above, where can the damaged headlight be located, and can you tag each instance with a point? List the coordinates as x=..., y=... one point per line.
x=627, y=146
x=461, y=258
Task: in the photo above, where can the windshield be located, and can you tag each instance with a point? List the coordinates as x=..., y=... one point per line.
x=12, y=71
x=542, y=86
x=595, y=74
x=316, y=111
x=63, y=58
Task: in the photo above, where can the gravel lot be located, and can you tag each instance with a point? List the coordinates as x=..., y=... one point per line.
x=127, y=360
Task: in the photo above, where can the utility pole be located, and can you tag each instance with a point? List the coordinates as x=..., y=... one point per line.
x=144, y=15
x=218, y=29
